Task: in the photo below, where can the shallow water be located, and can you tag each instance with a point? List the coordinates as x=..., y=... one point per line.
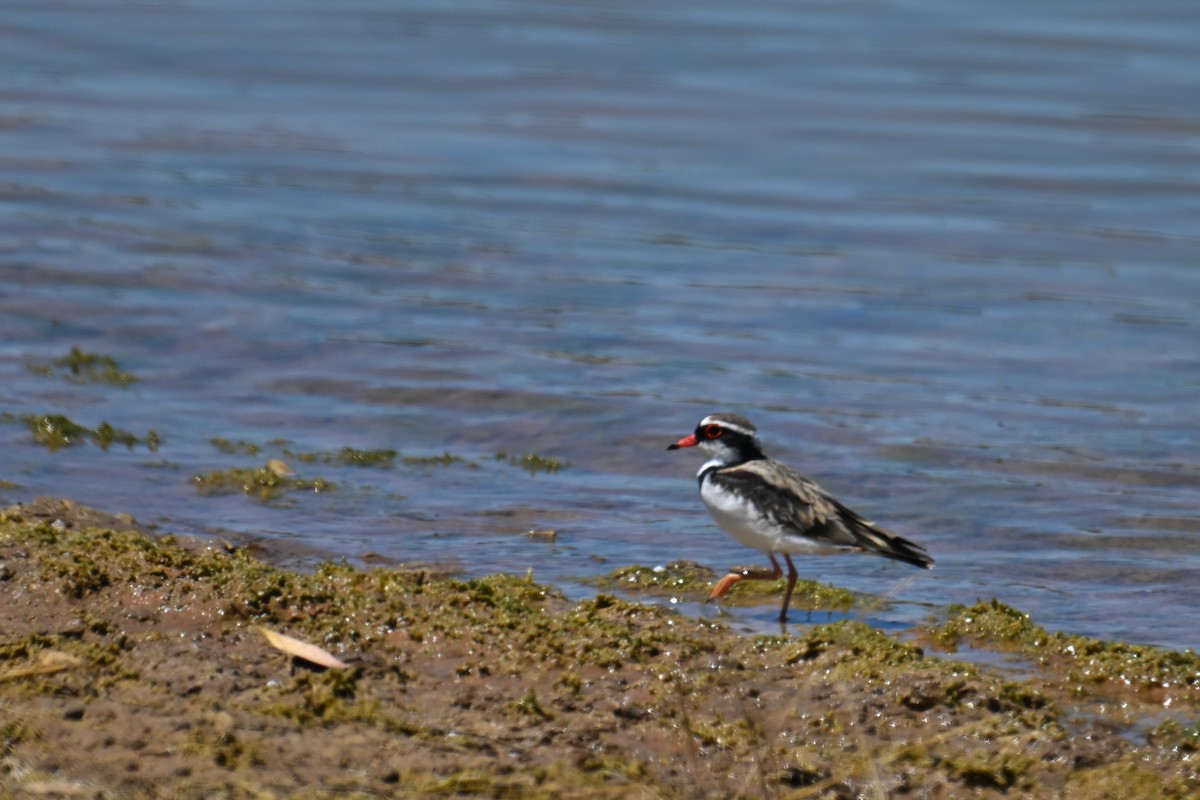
x=944, y=256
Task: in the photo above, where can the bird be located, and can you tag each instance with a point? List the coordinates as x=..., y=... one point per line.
x=767, y=505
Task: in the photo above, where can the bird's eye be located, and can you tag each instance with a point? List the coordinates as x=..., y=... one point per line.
x=713, y=431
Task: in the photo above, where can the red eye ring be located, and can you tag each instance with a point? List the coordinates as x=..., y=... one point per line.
x=713, y=431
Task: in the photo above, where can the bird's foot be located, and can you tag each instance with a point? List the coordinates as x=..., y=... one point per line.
x=723, y=586
x=742, y=573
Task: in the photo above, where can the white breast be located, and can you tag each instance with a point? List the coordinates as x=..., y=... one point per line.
x=742, y=520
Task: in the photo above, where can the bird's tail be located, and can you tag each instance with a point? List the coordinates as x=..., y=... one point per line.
x=875, y=539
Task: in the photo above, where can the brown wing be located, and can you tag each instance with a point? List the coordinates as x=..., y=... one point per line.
x=798, y=504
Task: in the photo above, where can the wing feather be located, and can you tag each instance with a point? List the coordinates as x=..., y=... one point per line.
x=798, y=504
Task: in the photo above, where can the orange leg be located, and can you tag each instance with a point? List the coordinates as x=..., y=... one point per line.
x=749, y=573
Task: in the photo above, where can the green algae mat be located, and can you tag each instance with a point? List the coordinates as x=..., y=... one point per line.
x=132, y=666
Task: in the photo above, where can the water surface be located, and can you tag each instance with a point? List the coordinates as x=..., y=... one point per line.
x=943, y=255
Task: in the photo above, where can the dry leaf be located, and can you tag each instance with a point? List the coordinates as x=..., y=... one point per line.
x=309, y=652
x=48, y=662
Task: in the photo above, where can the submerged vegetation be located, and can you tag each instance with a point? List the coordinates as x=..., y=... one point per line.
x=269, y=480
x=533, y=463
x=348, y=456
x=261, y=483
x=235, y=448
x=80, y=366
x=695, y=581
x=444, y=460
x=383, y=458
x=55, y=432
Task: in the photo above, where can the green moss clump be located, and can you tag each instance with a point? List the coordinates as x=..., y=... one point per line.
x=82, y=575
x=1000, y=769
x=1132, y=665
x=224, y=747
x=695, y=580
x=348, y=456
x=105, y=435
x=239, y=447
x=1085, y=661
x=533, y=463
x=808, y=594
x=16, y=731
x=992, y=622
x=1121, y=779
x=333, y=697
x=59, y=663
x=530, y=706
x=261, y=483
x=324, y=695
x=1170, y=733
x=366, y=458
x=601, y=774
x=719, y=732
x=80, y=366
x=24, y=648
x=444, y=460
x=55, y=431
x=686, y=577
x=855, y=648
x=622, y=633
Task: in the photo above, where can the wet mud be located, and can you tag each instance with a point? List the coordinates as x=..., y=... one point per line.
x=131, y=666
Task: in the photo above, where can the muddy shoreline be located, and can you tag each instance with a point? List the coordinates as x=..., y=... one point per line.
x=131, y=666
